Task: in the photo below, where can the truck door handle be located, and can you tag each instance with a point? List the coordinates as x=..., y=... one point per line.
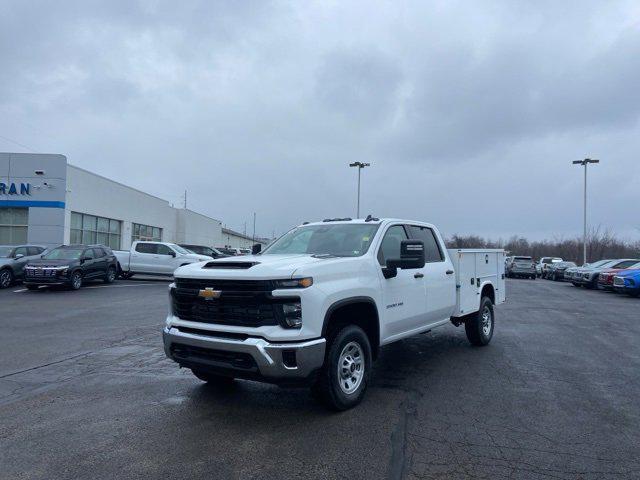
x=418, y=275
x=449, y=272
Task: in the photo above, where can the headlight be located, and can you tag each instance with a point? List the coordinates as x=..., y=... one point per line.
x=295, y=283
x=292, y=314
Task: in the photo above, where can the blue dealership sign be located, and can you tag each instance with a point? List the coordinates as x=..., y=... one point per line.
x=12, y=189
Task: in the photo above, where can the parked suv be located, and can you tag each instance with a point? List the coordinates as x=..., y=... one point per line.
x=521, y=267
x=13, y=258
x=71, y=265
x=556, y=271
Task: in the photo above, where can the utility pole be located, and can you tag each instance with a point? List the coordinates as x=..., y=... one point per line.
x=254, y=228
x=185, y=199
x=360, y=166
x=584, y=163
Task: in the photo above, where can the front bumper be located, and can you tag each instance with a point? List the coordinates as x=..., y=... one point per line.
x=251, y=358
x=45, y=281
x=522, y=271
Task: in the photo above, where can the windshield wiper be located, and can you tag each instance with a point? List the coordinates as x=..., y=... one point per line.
x=325, y=255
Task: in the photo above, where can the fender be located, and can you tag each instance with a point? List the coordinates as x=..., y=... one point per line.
x=344, y=302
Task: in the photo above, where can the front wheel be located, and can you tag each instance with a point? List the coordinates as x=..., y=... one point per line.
x=479, y=326
x=343, y=380
x=76, y=281
x=6, y=278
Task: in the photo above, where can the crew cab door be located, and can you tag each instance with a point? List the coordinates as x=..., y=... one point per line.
x=404, y=296
x=166, y=261
x=440, y=280
x=143, y=257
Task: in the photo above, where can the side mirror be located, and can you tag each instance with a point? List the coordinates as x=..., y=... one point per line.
x=18, y=256
x=257, y=248
x=411, y=256
x=83, y=259
x=172, y=253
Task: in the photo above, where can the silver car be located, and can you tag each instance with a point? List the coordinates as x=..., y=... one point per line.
x=13, y=258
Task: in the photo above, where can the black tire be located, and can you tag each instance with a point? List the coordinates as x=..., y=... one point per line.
x=576, y=284
x=32, y=287
x=533, y=277
x=75, y=282
x=6, y=278
x=634, y=294
x=111, y=275
x=126, y=275
x=475, y=325
x=329, y=386
x=212, y=377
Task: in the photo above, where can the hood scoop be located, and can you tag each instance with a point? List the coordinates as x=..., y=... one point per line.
x=230, y=265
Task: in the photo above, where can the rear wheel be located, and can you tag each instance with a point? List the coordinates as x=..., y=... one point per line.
x=344, y=377
x=6, y=278
x=111, y=275
x=211, y=377
x=479, y=326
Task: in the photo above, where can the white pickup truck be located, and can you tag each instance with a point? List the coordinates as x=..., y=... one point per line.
x=155, y=258
x=315, y=307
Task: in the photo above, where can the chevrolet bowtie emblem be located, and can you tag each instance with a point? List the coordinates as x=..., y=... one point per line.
x=209, y=293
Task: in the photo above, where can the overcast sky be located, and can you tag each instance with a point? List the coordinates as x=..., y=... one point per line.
x=469, y=112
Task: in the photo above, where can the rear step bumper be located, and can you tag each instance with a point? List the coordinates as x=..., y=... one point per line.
x=253, y=358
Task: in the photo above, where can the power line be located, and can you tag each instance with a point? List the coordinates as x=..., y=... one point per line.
x=18, y=143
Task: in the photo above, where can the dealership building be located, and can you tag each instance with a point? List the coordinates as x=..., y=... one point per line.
x=46, y=201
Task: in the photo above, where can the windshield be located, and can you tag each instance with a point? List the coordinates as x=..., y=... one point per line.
x=64, y=254
x=5, y=252
x=340, y=240
x=179, y=249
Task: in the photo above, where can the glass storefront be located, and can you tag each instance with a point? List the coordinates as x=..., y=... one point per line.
x=90, y=229
x=146, y=233
x=13, y=225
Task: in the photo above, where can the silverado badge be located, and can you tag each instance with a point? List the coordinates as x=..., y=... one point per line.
x=209, y=293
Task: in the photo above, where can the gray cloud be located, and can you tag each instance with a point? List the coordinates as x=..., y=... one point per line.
x=470, y=113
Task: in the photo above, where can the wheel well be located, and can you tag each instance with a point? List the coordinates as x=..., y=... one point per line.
x=488, y=291
x=360, y=312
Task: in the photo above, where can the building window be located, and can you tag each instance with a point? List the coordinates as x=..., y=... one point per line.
x=89, y=229
x=146, y=233
x=13, y=225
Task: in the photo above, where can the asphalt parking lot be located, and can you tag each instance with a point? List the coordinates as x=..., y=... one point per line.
x=86, y=392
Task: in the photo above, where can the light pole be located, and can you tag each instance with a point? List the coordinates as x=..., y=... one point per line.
x=584, y=163
x=360, y=166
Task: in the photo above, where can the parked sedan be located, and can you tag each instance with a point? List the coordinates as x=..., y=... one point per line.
x=13, y=258
x=521, y=267
x=605, y=278
x=71, y=266
x=556, y=271
x=590, y=275
x=627, y=281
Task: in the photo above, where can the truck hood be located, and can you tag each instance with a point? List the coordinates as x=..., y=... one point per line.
x=249, y=267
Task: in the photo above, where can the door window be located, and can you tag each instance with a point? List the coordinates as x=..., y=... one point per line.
x=98, y=252
x=20, y=251
x=88, y=254
x=432, y=252
x=390, y=247
x=164, y=250
x=34, y=251
x=146, y=248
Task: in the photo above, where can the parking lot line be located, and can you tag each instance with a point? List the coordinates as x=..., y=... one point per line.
x=104, y=286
